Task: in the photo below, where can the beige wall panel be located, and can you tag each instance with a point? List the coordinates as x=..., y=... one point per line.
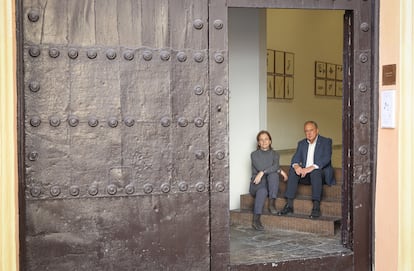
x=386, y=194
x=306, y=34
x=9, y=231
x=406, y=134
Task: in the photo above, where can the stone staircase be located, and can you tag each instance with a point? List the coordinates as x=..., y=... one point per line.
x=328, y=224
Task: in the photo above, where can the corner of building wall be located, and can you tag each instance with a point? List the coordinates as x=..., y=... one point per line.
x=405, y=137
x=9, y=232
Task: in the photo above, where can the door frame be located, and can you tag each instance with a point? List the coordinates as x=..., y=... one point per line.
x=359, y=123
x=360, y=115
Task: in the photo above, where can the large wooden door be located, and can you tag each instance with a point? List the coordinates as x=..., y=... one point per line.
x=119, y=170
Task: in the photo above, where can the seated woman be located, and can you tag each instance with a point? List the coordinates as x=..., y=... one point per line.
x=265, y=177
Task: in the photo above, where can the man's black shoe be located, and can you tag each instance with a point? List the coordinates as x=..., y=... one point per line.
x=316, y=212
x=286, y=210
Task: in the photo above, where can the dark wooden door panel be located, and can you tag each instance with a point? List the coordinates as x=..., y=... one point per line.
x=118, y=233
x=117, y=124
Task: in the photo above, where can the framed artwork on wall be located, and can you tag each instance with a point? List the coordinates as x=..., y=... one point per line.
x=279, y=62
x=279, y=87
x=339, y=73
x=330, y=71
x=330, y=87
x=338, y=88
x=270, y=61
x=289, y=87
x=270, y=86
x=280, y=74
x=289, y=63
x=328, y=79
x=320, y=69
x=320, y=87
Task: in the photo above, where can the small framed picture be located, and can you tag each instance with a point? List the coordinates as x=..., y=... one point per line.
x=289, y=63
x=279, y=62
x=320, y=69
x=338, y=88
x=339, y=73
x=320, y=86
x=330, y=71
x=270, y=86
x=279, y=87
x=270, y=61
x=330, y=88
x=289, y=84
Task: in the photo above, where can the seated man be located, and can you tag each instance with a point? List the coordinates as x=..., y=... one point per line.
x=311, y=164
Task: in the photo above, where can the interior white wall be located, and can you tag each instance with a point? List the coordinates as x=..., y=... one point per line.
x=247, y=93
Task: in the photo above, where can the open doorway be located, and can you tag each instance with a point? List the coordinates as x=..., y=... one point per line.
x=281, y=98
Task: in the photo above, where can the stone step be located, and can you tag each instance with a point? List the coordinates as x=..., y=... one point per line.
x=301, y=205
x=333, y=192
x=324, y=225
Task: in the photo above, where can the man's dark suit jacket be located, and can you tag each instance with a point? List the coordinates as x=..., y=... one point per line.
x=322, y=156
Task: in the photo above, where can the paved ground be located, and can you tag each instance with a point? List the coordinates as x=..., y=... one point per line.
x=248, y=246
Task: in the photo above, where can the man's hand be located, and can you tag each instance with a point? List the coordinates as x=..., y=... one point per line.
x=306, y=170
x=258, y=177
x=298, y=170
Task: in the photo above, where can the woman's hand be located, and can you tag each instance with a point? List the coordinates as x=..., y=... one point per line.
x=258, y=177
x=285, y=176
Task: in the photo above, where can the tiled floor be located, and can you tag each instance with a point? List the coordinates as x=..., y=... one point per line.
x=248, y=246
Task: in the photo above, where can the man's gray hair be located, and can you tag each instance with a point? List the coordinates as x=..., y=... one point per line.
x=311, y=122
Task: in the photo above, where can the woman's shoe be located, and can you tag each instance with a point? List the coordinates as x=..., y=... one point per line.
x=257, y=224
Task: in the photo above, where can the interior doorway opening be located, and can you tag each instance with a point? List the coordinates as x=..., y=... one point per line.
x=269, y=94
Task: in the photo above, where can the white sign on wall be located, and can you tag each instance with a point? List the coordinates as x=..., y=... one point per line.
x=388, y=109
